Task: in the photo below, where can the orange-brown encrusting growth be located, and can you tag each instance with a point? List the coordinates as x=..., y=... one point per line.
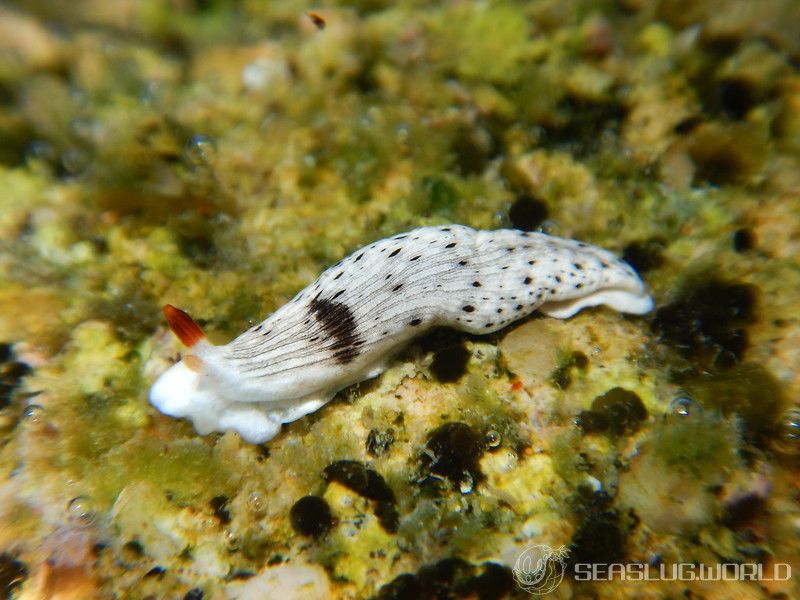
x=183, y=326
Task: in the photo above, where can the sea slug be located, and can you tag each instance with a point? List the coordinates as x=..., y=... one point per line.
x=344, y=327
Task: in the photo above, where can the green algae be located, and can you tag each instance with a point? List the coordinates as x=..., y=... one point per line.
x=748, y=391
x=699, y=445
x=469, y=528
x=479, y=42
x=570, y=465
x=683, y=460
x=561, y=377
x=490, y=411
x=185, y=470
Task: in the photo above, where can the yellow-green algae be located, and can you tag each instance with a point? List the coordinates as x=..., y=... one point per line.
x=219, y=155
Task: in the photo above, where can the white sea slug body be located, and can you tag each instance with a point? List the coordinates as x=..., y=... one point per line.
x=344, y=327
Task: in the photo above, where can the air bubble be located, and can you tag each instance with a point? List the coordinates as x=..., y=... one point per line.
x=41, y=150
x=232, y=541
x=685, y=406
x=152, y=91
x=256, y=503
x=84, y=128
x=402, y=133
x=550, y=227
x=493, y=438
x=80, y=511
x=786, y=438
x=200, y=151
x=33, y=413
x=74, y=161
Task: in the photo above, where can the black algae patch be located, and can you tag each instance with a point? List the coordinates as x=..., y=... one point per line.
x=311, y=516
x=598, y=540
x=200, y=249
x=450, y=356
x=453, y=451
x=732, y=97
x=743, y=511
x=439, y=338
x=369, y=484
x=689, y=124
x=12, y=575
x=448, y=576
x=156, y=572
x=527, y=213
x=725, y=155
x=645, y=255
x=11, y=374
x=355, y=476
x=219, y=504
x=194, y=594
x=388, y=516
x=579, y=124
x=402, y=587
x=561, y=377
x=495, y=582
x=450, y=363
x=617, y=412
x=451, y=578
x=707, y=319
x=743, y=240
x=134, y=548
x=472, y=149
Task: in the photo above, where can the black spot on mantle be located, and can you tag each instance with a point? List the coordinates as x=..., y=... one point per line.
x=338, y=321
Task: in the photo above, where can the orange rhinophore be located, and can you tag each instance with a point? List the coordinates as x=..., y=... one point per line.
x=317, y=19
x=183, y=326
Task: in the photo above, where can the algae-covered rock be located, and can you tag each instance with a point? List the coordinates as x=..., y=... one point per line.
x=142, y=514
x=670, y=483
x=479, y=42
x=293, y=582
x=531, y=350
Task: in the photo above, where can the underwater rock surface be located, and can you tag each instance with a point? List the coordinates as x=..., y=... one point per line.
x=219, y=156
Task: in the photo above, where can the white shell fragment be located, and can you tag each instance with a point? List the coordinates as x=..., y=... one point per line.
x=345, y=326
